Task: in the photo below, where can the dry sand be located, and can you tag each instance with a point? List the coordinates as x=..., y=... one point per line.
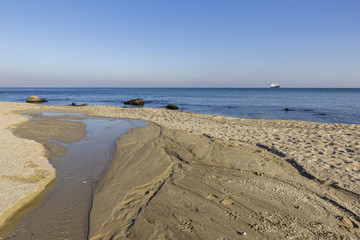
x=196, y=176
x=25, y=171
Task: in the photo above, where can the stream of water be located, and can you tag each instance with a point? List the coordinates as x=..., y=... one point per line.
x=64, y=211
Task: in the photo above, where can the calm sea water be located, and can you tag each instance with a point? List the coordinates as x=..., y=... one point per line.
x=317, y=105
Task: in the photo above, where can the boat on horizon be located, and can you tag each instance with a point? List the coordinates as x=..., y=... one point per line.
x=274, y=85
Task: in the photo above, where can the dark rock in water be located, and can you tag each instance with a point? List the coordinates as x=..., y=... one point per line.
x=35, y=99
x=81, y=105
x=308, y=110
x=135, y=102
x=322, y=114
x=172, y=107
x=288, y=109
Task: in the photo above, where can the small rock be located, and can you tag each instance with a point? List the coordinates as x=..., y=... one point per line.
x=172, y=107
x=83, y=105
x=73, y=104
x=322, y=114
x=135, y=102
x=35, y=99
x=289, y=109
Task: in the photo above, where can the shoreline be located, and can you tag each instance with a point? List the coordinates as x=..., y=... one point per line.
x=338, y=106
x=327, y=151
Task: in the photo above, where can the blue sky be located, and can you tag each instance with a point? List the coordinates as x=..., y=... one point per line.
x=180, y=43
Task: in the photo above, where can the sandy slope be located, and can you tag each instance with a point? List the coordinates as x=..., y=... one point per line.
x=171, y=184
x=329, y=152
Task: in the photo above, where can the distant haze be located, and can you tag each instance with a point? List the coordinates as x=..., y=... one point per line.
x=179, y=43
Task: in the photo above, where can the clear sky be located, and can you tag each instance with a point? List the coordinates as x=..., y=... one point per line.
x=180, y=43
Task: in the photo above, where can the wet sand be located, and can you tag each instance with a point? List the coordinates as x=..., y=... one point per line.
x=25, y=171
x=170, y=184
x=195, y=176
x=41, y=131
x=63, y=213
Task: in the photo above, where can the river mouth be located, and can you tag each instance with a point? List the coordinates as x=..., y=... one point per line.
x=80, y=149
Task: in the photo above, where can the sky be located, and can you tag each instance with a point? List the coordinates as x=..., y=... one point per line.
x=179, y=43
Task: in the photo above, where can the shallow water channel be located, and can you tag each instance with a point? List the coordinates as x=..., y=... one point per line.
x=63, y=213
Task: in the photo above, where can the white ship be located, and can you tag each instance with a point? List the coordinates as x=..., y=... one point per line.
x=274, y=85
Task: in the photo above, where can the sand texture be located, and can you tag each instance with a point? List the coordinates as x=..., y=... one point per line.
x=328, y=152
x=171, y=184
x=24, y=171
x=197, y=176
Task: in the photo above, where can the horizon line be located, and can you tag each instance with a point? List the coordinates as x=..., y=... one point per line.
x=186, y=87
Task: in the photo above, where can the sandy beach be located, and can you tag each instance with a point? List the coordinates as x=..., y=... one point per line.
x=197, y=176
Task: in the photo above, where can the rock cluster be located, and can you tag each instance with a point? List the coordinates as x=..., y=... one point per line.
x=81, y=105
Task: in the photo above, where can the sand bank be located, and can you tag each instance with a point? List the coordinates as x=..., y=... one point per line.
x=25, y=171
x=171, y=184
x=328, y=152
x=200, y=176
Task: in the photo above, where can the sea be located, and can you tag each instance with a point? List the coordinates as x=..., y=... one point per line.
x=326, y=105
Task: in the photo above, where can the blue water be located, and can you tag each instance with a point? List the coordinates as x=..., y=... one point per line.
x=317, y=105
